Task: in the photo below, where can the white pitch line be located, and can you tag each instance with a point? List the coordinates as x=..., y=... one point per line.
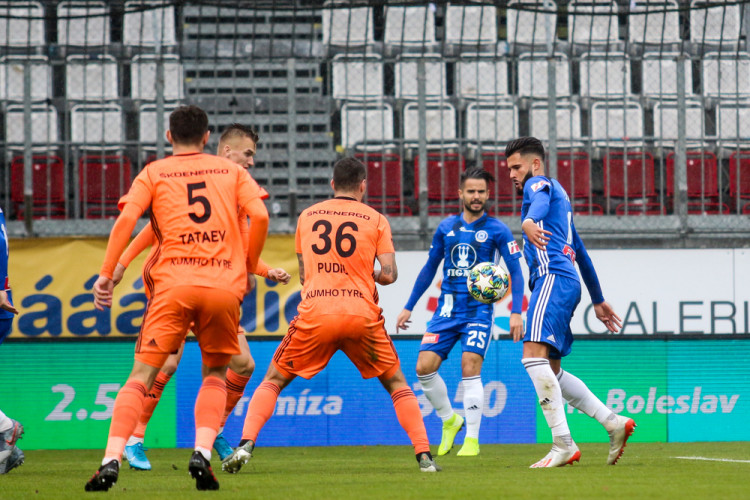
x=715, y=459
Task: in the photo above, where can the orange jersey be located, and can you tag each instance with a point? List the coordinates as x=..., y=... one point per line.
x=339, y=240
x=194, y=200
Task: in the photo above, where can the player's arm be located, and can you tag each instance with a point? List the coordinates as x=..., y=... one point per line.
x=537, y=211
x=604, y=311
x=301, y=262
x=258, y=230
x=388, y=273
x=276, y=274
x=143, y=240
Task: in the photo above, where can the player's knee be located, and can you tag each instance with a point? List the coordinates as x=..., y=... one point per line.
x=170, y=366
x=243, y=365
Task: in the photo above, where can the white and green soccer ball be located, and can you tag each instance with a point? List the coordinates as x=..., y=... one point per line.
x=488, y=282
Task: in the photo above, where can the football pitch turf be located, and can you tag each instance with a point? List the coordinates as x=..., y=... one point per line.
x=646, y=470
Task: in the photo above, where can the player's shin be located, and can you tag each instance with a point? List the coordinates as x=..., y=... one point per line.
x=436, y=391
x=578, y=395
x=260, y=409
x=235, y=390
x=548, y=391
x=410, y=417
x=149, y=405
x=127, y=409
x=473, y=405
x=209, y=407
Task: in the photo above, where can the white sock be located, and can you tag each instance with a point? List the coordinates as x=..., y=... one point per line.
x=134, y=440
x=434, y=388
x=221, y=429
x=473, y=405
x=550, y=397
x=5, y=422
x=206, y=453
x=580, y=397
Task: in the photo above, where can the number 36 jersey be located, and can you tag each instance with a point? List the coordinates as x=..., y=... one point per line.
x=339, y=240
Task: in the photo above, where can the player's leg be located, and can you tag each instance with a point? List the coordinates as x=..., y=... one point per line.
x=10, y=455
x=579, y=396
x=471, y=371
x=240, y=370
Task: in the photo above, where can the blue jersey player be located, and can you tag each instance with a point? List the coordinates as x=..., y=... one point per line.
x=10, y=455
x=460, y=242
x=551, y=248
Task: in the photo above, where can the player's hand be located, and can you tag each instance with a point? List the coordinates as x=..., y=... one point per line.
x=606, y=315
x=118, y=273
x=5, y=304
x=251, y=282
x=537, y=236
x=279, y=275
x=103, y=292
x=516, y=327
x=402, y=321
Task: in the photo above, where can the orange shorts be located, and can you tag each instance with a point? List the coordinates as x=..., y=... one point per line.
x=169, y=314
x=311, y=342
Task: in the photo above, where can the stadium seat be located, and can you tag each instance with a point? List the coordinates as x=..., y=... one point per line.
x=348, y=27
x=533, y=75
x=440, y=124
x=490, y=125
x=568, y=118
x=384, y=186
x=83, y=23
x=605, y=75
x=48, y=186
x=91, y=77
x=718, y=24
x=45, y=129
x=472, y=25
x=702, y=181
x=11, y=77
x=733, y=125
x=367, y=126
x=631, y=178
x=406, y=69
x=617, y=124
x=574, y=174
x=654, y=22
x=412, y=26
x=659, y=75
x=481, y=76
x=739, y=175
x=665, y=124
x=21, y=24
x=97, y=126
x=726, y=75
x=528, y=22
x=593, y=22
x=357, y=77
x=143, y=77
x=147, y=23
x=147, y=128
x=443, y=173
x=637, y=208
x=503, y=199
x=103, y=179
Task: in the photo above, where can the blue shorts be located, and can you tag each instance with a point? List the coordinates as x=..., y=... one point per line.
x=6, y=326
x=443, y=333
x=553, y=301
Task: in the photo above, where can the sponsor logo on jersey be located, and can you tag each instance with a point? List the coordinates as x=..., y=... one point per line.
x=475, y=325
x=539, y=185
x=463, y=256
x=464, y=230
x=569, y=252
x=513, y=247
x=430, y=338
x=481, y=236
x=6, y=286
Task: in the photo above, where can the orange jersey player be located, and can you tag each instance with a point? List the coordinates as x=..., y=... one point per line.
x=196, y=275
x=337, y=243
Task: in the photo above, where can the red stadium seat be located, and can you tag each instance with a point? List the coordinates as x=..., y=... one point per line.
x=103, y=180
x=637, y=169
x=574, y=174
x=384, y=186
x=739, y=175
x=443, y=174
x=48, y=186
x=697, y=186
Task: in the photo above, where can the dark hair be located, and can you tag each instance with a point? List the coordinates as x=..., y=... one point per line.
x=525, y=145
x=239, y=130
x=187, y=124
x=476, y=173
x=348, y=173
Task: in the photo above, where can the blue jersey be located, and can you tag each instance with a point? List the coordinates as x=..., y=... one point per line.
x=460, y=246
x=546, y=203
x=4, y=282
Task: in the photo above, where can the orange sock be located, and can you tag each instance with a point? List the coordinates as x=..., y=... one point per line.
x=128, y=406
x=149, y=404
x=235, y=389
x=410, y=418
x=208, y=407
x=260, y=409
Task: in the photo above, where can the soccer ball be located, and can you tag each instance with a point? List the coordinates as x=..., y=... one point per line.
x=488, y=282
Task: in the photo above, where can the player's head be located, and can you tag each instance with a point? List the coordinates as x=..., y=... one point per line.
x=188, y=126
x=525, y=157
x=474, y=189
x=238, y=143
x=349, y=177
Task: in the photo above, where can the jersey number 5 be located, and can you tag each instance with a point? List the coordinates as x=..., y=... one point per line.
x=341, y=237
x=193, y=199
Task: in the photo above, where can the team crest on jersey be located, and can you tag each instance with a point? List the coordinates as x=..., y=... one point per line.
x=463, y=256
x=481, y=236
x=430, y=338
x=539, y=185
x=513, y=247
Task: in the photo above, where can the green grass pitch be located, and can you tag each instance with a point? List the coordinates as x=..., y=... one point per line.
x=647, y=470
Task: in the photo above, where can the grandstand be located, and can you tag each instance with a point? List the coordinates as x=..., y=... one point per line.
x=644, y=105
